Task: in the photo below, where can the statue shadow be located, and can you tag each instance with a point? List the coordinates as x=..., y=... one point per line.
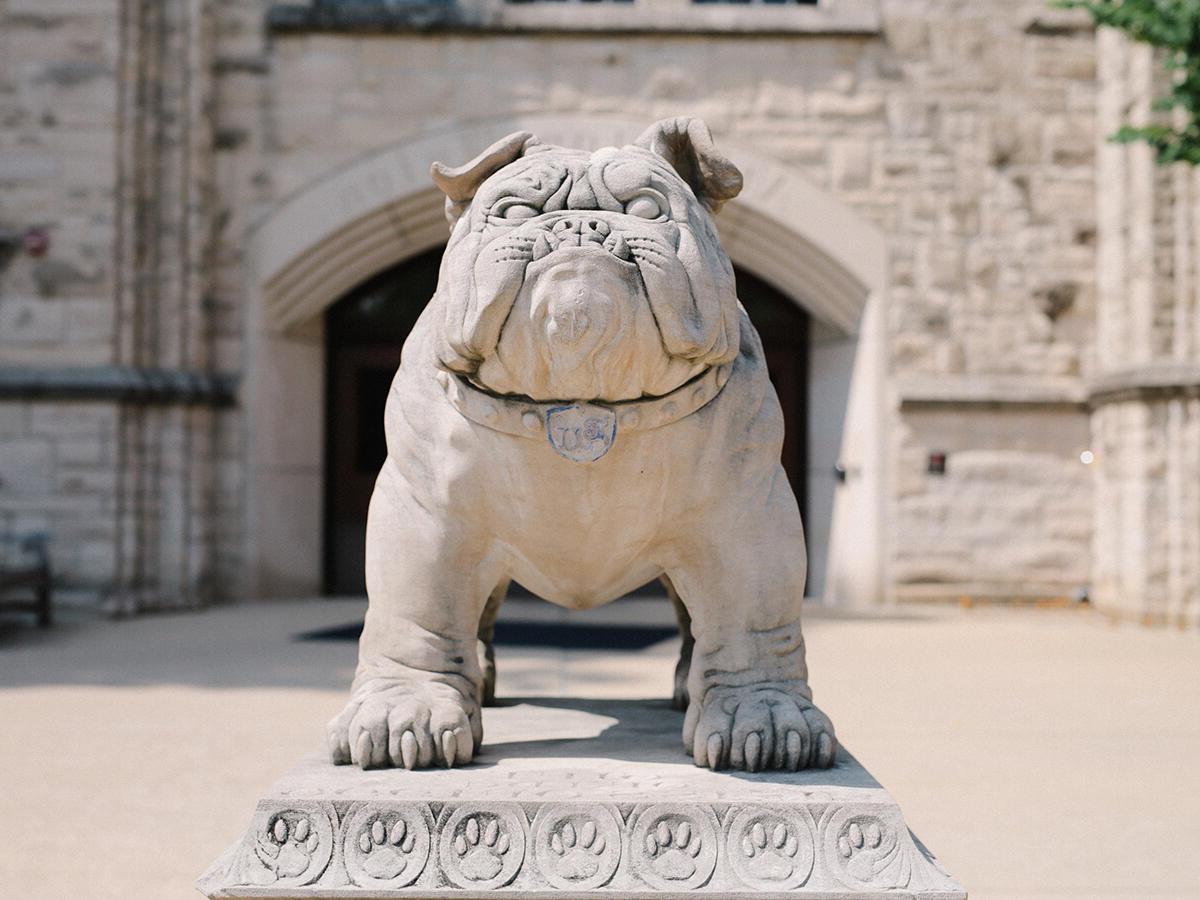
x=645, y=732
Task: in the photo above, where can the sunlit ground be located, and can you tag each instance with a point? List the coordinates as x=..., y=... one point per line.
x=1037, y=753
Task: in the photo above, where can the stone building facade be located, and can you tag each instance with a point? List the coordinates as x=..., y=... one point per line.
x=995, y=293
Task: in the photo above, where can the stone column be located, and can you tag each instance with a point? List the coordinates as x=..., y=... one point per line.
x=1146, y=394
x=162, y=254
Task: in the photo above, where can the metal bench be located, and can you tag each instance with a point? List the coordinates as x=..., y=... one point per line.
x=25, y=568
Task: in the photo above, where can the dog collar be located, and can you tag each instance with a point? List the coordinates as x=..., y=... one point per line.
x=582, y=431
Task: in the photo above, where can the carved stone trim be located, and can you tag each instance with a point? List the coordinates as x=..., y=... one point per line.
x=583, y=849
x=387, y=846
x=482, y=846
x=122, y=384
x=845, y=17
x=577, y=846
x=1157, y=382
x=771, y=849
x=289, y=846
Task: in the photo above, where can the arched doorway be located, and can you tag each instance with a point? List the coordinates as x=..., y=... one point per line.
x=364, y=332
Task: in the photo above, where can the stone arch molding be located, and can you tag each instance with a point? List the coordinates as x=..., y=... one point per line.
x=381, y=209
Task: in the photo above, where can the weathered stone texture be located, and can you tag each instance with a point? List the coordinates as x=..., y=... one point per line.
x=57, y=109
x=1146, y=559
x=1014, y=497
x=56, y=477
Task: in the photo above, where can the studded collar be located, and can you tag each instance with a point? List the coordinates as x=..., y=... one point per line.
x=581, y=430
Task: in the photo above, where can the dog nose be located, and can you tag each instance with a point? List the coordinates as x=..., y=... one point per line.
x=586, y=227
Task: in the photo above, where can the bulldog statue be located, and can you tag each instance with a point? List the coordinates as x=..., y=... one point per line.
x=584, y=407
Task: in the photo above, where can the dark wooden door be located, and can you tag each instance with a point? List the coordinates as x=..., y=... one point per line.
x=365, y=332
x=783, y=327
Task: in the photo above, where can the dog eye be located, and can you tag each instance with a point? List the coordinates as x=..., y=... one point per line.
x=644, y=207
x=518, y=211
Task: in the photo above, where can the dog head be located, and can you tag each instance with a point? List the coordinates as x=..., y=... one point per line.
x=588, y=275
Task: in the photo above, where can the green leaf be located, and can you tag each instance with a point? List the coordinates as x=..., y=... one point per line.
x=1173, y=27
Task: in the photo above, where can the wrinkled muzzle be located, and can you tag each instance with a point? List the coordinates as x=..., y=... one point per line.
x=578, y=296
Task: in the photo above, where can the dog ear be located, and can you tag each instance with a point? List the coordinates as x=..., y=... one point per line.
x=687, y=145
x=459, y=184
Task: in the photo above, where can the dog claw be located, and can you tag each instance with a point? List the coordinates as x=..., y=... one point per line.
x=715, y=751
x=824, y=750
x=364, y=750
x=339, y=751
x=449, y=744
x=792, y=760
x=408, y=750
x=753, y=749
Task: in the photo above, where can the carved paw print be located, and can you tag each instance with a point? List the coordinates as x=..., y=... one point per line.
x=481, y=850
x=862, y=848
x=578, y=856
x=287, y=848
x=385, y=850
x=772, y=855
x=672, y=851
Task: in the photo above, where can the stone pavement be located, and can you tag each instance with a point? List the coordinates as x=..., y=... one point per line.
x=1039, y=753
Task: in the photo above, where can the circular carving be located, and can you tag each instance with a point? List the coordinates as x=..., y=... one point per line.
x=864, y=850
x=769, y=850
x=292, y=846
x=385, y=847
x=674, y=847
x=577, y=846
x=482, y=847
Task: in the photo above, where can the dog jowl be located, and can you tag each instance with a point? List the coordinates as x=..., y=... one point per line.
x=584, y=407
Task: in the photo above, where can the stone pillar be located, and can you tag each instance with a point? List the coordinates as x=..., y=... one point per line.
x=162, y=254
x=1146, y=392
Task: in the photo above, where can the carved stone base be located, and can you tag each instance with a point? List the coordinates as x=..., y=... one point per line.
x=582, y=798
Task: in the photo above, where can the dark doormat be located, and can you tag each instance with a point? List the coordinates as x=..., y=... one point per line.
x=537, y=634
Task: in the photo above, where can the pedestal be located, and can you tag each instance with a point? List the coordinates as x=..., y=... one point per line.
x=577, y=798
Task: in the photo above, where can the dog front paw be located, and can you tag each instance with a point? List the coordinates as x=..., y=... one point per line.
x=406, y=722
x=762, y=726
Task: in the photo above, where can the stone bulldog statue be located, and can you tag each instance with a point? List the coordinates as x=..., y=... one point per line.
x=584, y=407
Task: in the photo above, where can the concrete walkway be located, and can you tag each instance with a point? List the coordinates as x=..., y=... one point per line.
x=1039, y=753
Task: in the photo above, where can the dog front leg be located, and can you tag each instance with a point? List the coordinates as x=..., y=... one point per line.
x=417, y=690
x=742, y=581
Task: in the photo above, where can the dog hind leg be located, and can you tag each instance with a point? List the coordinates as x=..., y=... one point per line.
x=487, y=629
x=679, y=694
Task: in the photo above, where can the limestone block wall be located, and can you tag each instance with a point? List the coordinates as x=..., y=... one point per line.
x=58, y=477
x=58, y=106
x=1008, y=516
x=965, y=131
x=105, y=145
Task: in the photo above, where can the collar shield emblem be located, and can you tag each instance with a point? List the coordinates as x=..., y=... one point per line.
x=581, y=432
